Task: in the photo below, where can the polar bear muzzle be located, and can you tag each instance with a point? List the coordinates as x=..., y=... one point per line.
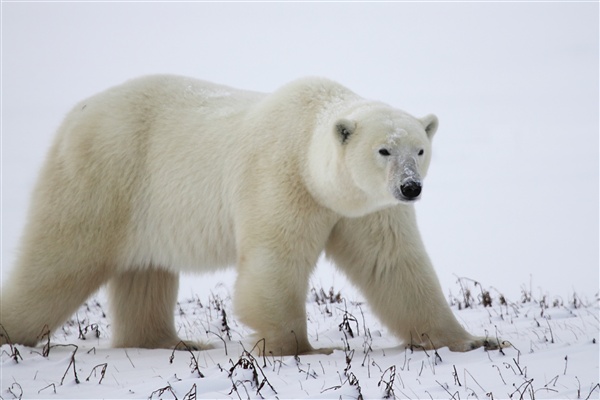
x=405, y=182
x=408, y=191
x=411, y=189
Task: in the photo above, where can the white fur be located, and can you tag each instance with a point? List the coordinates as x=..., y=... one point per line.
x=166, y=174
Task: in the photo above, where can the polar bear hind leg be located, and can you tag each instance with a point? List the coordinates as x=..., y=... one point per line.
x=142, y=305
x=42, y=293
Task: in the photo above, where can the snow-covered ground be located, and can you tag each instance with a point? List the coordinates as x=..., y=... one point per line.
x=511, y=199
x=553, y=354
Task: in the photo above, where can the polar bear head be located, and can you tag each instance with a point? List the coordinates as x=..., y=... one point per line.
x=371, y=157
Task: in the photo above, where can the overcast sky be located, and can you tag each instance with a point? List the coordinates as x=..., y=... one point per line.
x=513, y=186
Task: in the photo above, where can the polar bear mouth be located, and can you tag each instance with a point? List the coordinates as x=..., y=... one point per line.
x=403, y=199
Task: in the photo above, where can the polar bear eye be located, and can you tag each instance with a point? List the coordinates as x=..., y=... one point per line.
x=421, y=152
x=384, y=152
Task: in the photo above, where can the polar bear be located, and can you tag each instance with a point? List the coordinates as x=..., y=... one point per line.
x=166, y=174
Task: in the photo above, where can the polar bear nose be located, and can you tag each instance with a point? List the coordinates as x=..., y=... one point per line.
x=411, y=189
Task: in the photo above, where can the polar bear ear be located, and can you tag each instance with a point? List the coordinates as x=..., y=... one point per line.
x=344, y=128
x=430, y=122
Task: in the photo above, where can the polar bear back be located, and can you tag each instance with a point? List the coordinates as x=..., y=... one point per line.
x=166, y=150
x=173, y=162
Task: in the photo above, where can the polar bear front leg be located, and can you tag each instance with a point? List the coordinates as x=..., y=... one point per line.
x=270, y=297
x=383, y=255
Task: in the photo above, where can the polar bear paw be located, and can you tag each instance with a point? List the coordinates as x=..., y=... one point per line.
x=476, y=342
x=324, y=350
x=278, y=348
x=189, y=345
x=464, y=344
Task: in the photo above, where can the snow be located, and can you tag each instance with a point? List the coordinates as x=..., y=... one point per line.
x=553, y=353
x=511, y=198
